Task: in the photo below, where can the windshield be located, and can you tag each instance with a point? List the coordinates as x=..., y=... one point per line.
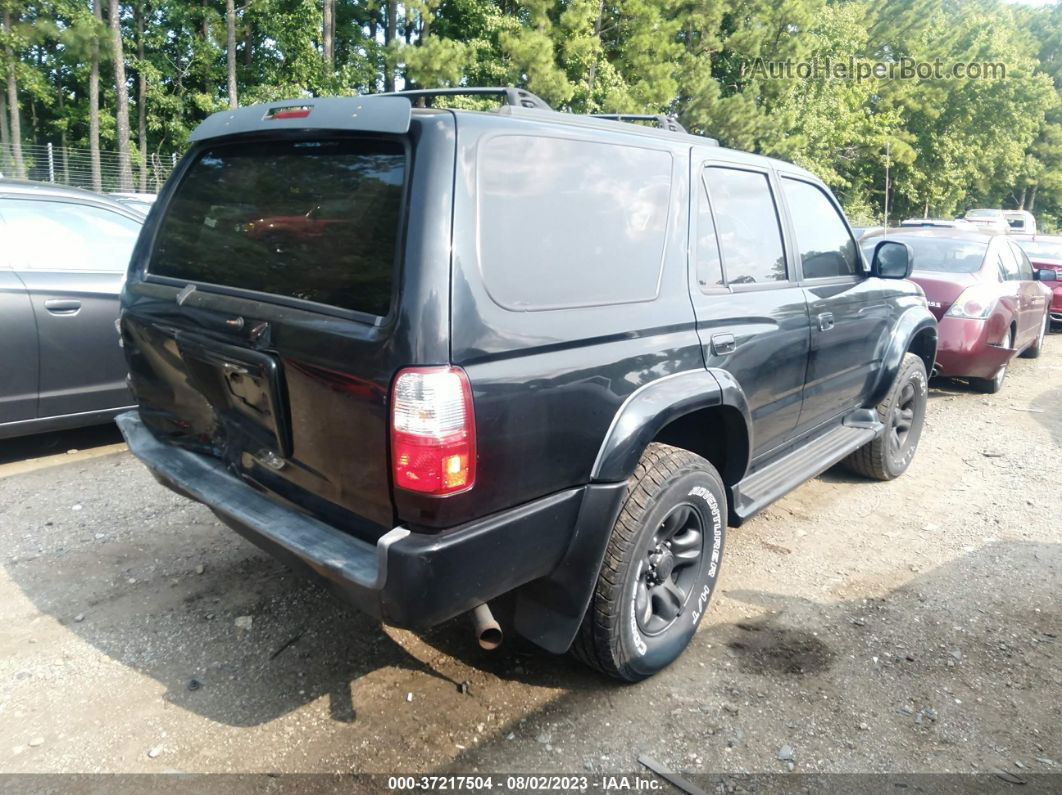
x=942, y=255
x=314, y=220
x=1041, y=249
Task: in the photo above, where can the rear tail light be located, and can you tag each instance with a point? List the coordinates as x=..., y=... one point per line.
x=433, y=431
x=975, y=302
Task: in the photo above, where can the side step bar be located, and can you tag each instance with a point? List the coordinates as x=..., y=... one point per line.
x=778, y=478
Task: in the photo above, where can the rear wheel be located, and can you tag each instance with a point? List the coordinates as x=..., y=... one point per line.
x=1034, y=350
x=660, y=567
x=992, y=385
x=902, y=412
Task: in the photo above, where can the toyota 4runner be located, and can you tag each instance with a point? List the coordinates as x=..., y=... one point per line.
x=438, y=356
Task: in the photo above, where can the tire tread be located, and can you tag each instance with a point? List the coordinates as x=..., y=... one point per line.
x=659, y=464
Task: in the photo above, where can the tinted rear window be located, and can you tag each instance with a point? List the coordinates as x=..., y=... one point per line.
x=939, y=255
x=313, y=220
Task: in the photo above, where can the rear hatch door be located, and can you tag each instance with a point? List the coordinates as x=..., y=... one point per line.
x=262, y=319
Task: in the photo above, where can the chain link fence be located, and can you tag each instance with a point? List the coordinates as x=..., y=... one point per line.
x=65, y=165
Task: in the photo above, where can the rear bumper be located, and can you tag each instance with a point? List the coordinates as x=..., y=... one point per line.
x=965, y=349
x=406, y=579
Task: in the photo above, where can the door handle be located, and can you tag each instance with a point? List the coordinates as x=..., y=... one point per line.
x=826, y=321
x=60, y=307
x=723, y=344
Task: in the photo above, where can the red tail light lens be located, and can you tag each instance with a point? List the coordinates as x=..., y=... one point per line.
x=433, y=431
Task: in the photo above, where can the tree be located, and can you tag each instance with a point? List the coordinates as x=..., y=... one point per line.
x=94, y=97
x=125, y=169
x=230, y=28
x=141, y=95
x=10, y=65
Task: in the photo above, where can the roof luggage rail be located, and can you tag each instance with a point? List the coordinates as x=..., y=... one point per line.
x=663, y=121
x=517, y=97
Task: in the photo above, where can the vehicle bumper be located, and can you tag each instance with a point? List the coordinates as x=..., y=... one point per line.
x=1056, y=303
x=407, y=579
x=964, y=349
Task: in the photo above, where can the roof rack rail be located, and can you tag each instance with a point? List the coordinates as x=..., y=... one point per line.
x=663, y=121
x=518, y=97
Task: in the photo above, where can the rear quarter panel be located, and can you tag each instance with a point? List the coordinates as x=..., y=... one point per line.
x=547, y=383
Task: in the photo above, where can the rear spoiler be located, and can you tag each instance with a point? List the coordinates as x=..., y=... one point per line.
x=384, y=114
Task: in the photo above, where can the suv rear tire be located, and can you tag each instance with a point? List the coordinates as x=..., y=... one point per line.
x=660, y=567
x=902, y=411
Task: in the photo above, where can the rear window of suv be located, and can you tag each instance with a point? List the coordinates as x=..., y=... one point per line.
x=310, y=220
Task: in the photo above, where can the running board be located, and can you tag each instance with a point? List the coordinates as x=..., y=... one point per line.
x=777, y=479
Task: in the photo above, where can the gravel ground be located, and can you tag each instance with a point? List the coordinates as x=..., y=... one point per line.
x=910, y=626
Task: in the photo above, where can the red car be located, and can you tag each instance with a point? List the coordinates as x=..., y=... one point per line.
x=989, y=302
x=1045, y=253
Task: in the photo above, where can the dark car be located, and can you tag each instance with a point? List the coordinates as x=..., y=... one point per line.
x=1045, y=253
x=551, y=356
x=63, y=257
x=986, y=296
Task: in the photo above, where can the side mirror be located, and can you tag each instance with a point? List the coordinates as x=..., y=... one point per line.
x=892, y=260
x=1045, y=275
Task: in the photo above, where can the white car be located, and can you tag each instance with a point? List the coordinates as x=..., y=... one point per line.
x=988, y=220
x=1021, y=222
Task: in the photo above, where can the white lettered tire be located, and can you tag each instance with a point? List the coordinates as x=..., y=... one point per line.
x=660, y=569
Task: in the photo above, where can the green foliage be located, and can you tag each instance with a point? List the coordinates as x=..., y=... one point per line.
x=947, y=143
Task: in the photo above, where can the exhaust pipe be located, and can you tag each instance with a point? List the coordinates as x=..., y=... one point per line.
x=488, y=630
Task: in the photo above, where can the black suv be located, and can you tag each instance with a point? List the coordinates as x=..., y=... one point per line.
x=438, y=356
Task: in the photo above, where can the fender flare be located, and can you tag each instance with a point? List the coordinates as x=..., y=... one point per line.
x=912, y=322
x=652, y=406
x=550, y=610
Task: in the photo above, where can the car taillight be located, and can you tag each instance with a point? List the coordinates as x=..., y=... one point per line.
x=975, y=302
x=433, y=431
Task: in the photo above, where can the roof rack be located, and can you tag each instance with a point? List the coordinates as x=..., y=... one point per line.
x=517, y=97
x=663, y=121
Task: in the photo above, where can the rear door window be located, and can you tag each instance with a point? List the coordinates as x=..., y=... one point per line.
x=566, y=222
x=826, y=248
x=314, y=220
x=61, y=236
x=746, y=220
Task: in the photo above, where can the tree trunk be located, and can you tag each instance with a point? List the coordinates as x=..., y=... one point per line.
x=125, y=167
x=1021, y=201
x=925, y=212
x=141, y=97
x=206, y=20
x=390, y=29
x=326, y=34
x=5, y=134
x=1032, y=199
x=15, y=131
x=230, y=26
x=94, y=100
x=593, y=63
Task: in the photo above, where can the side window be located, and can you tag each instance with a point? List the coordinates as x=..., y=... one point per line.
x=826, y=247
x=709, y=265
x=1025, y=268
x=53, y=235
x=1009, y=263
x=750, y=238
x=566, y=222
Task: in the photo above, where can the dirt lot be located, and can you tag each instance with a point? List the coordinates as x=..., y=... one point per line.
x=862, y=627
